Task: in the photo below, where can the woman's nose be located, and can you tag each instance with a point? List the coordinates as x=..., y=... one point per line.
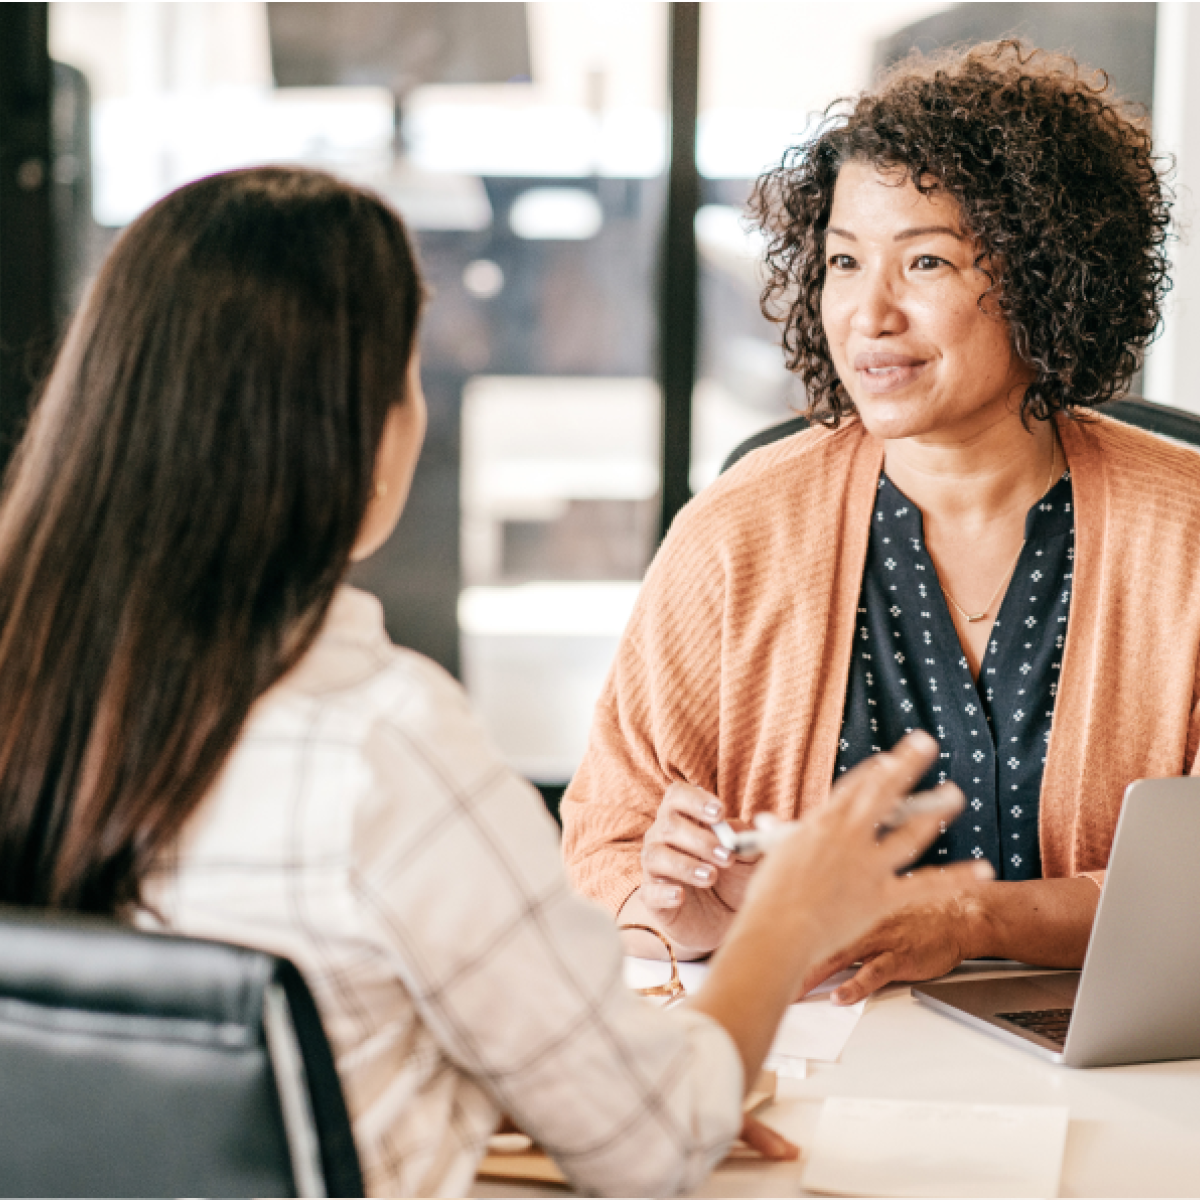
x=877, y=311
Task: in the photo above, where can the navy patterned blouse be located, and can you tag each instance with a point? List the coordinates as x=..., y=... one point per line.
x=908, y=671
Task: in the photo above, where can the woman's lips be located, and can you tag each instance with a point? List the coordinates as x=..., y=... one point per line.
x=879, y=374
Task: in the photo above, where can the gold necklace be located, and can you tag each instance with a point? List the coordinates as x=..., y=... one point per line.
x=971, y=618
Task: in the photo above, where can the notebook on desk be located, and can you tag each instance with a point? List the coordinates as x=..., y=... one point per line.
x=1137, y=998
x=518, y=1159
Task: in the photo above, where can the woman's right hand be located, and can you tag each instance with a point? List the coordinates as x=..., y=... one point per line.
x=837, y=873
x=691, y=887
x=841, y=870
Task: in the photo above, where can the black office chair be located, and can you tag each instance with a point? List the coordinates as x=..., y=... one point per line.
x=1171, y=423
x=133, y=1064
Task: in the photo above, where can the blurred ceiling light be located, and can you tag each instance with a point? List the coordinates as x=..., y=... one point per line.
x=483, y=279
x=556, y=214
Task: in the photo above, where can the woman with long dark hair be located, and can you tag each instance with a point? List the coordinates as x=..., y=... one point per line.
x=202, y=730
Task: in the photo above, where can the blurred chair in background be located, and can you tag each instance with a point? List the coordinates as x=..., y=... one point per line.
x=1173, y=423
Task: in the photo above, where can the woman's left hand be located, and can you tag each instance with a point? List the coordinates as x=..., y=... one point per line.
x=771, y=1144
x=1042, y=922
x=921, y=942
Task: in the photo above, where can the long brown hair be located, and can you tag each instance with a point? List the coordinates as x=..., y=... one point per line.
x=182, y=509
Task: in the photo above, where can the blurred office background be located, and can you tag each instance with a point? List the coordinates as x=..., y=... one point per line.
x=594, y=347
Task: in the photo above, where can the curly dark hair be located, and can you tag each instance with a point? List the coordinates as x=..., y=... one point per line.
x=1056, y=179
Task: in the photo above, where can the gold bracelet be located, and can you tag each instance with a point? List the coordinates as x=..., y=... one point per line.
x=673, y=988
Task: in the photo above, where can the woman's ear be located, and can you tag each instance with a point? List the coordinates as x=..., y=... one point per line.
x=395, y=462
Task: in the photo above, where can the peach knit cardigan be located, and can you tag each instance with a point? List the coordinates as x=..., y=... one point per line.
x=732, y=673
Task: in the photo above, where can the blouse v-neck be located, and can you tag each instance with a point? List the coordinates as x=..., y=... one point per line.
x=908, y=671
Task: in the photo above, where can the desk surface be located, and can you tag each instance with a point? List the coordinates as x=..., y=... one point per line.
x=1134, y=1131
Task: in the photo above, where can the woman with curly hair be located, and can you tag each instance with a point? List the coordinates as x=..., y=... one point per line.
x=967, y=262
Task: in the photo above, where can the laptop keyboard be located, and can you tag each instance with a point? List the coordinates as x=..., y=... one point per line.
x=1050, y=1023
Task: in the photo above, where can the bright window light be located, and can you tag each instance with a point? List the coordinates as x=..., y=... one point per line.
x=556, y=214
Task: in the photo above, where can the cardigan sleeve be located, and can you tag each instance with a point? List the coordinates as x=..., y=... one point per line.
x=657, y=721
x=1191, y=761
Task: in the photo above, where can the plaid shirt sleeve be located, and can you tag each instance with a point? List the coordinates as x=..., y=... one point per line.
x=458, y=882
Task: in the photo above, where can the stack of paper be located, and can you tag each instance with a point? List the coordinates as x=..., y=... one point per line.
x=813, y=1029
x=910, y=1148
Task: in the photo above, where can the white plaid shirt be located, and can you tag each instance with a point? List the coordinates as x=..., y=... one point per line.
x=365, y=827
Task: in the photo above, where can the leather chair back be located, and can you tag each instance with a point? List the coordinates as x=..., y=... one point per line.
x=1173, y=423
x=136, y=1064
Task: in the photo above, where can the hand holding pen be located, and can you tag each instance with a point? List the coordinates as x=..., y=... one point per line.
x=697, y=862
x=769, y=830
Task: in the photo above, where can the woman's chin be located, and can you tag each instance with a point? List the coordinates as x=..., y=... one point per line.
x=892, y=417
x=922, y=415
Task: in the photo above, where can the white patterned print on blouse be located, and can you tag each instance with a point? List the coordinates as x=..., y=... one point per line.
x=908, y=671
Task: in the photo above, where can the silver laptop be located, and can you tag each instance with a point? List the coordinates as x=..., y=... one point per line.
x=1137, y=998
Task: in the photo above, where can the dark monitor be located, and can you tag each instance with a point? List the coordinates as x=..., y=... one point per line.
x=397, y=46
x=1119, y=38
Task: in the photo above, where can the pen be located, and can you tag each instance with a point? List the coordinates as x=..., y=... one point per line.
x=750, y=843
x=769, y=829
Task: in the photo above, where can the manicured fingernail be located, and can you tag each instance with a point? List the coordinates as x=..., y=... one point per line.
x=721, y=854
x=712, y=810
x=921, y=740
x=985, y=870
x=671, y=897
x=703, y=874
x=840, y=997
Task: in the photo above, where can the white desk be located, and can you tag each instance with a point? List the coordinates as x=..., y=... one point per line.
x=1135, y=1131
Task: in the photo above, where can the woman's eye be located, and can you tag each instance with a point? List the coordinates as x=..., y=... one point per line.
x=841, y=262
x=928, y=262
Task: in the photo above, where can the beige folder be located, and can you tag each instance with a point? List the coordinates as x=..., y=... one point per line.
x=534, y=1165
